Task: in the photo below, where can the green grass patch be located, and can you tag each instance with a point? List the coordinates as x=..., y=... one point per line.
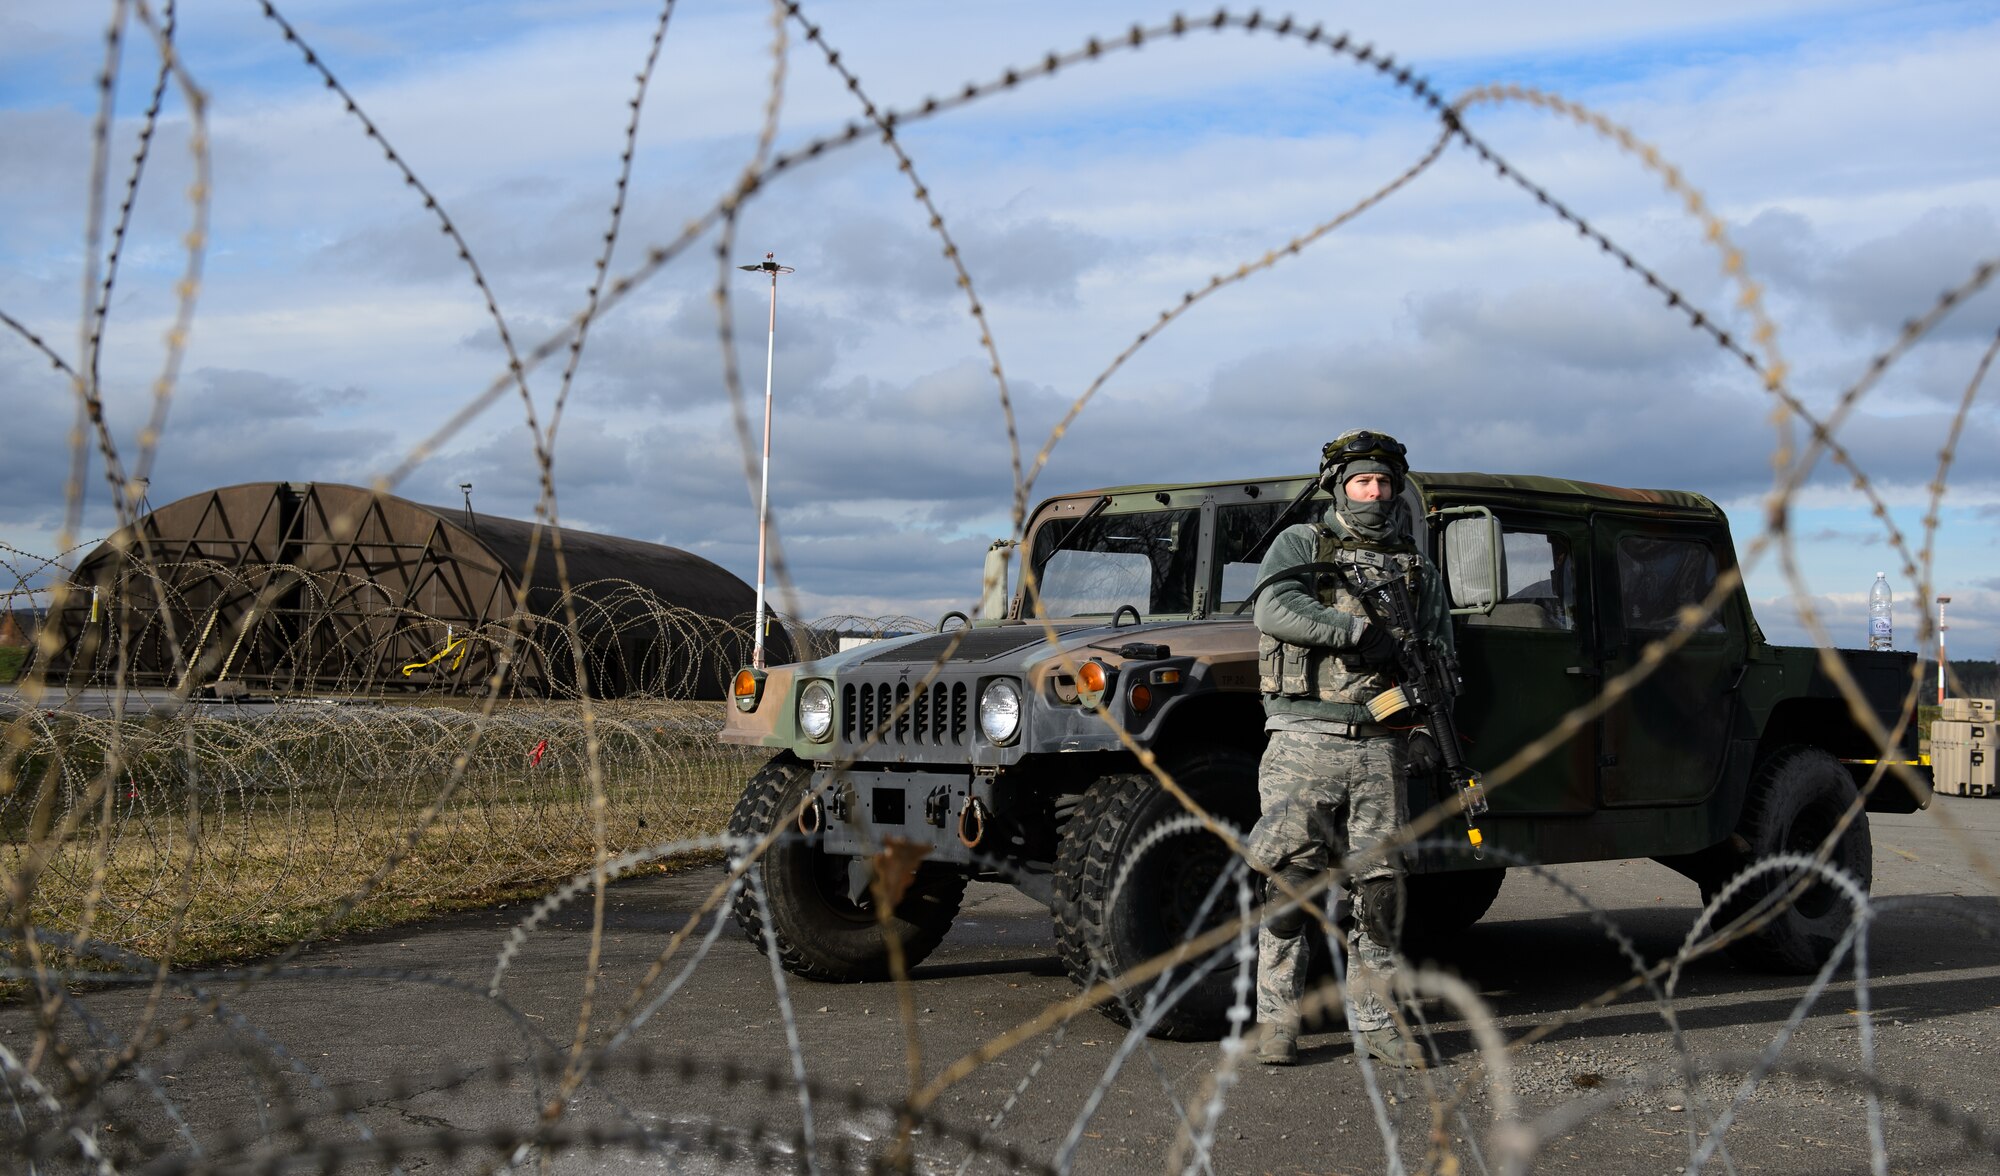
x=11, y=657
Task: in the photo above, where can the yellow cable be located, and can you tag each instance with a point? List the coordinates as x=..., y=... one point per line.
x=457, y=644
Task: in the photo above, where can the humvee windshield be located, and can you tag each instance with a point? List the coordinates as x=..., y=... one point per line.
x=1110, y=555
x=1094, y=566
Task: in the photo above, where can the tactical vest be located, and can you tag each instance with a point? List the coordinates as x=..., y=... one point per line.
x=1299, y=671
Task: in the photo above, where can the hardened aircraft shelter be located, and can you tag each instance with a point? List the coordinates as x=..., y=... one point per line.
x=322, y=588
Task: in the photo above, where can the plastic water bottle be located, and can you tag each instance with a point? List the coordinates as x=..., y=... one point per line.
x=1881, y=627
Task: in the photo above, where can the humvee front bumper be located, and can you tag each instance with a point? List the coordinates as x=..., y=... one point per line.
x=950, y=814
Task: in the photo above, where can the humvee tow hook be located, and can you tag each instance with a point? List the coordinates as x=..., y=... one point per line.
x=972, y=823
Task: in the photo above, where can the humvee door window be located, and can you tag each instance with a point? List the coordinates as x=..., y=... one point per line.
x=1096, y=565
x=1540, y=583
x=1657, y=577
x=1237, y=527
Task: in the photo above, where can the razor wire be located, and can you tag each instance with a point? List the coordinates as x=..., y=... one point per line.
x=186, y=627
x=108, y=801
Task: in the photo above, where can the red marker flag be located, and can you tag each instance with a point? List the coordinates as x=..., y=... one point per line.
x=535, y=756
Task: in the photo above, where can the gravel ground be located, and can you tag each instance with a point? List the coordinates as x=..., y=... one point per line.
x=1602, y=1089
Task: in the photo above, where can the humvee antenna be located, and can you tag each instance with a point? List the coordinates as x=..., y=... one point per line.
x=768, y=266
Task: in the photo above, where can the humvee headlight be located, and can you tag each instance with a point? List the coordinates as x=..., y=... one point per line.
x=747, y=689
x=816, y=711
x=1000, y=710
x=1092, y=680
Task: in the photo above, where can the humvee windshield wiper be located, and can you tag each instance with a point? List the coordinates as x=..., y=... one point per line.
x=1256, y=550
x=1096, y=508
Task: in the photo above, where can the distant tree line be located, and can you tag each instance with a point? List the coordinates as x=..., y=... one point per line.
x=1967, y=678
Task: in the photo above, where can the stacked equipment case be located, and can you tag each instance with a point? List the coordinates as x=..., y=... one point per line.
x=1962, y=748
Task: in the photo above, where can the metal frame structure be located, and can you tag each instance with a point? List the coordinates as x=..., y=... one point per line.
x=327, y=588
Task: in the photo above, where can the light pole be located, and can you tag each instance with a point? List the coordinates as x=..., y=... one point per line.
x=768, y=266
x=1941, y=602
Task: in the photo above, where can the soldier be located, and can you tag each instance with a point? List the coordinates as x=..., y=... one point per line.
x=1331, y=780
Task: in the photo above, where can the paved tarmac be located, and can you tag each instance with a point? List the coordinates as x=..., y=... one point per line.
x=382, y=1014
x=136, y=703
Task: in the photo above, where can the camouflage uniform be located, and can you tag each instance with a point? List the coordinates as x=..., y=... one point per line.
x=1331, y=780
x=1325, y=796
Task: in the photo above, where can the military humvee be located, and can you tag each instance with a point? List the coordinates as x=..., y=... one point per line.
x=979, y=753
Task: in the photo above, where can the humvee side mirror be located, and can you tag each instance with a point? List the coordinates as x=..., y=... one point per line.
x=994, y=599
x=1472, y=550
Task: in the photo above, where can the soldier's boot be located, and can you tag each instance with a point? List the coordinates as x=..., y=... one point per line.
x=1387, y=1045
x=1280, y=1046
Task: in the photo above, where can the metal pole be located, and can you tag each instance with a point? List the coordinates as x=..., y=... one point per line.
x=1941, y=602
x=770, y=266
x=764, y=488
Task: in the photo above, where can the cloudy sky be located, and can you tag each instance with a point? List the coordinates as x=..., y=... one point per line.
x=1850, y=149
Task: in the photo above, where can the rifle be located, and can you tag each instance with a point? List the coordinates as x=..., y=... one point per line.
x=1429, y=681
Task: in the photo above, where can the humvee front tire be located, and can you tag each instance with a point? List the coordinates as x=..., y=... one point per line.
x=1125, y=894
x=820, y=933
x=1795, y=800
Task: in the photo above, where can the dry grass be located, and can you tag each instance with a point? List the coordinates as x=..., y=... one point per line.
x=223, y=840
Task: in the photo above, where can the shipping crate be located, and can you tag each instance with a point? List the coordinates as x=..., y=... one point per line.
x=1962, y=763
x=1966, y=709
x=1949, y=767
x=1949, y=762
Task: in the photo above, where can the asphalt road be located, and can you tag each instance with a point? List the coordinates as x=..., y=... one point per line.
x=133, y=703
x=401, y=1024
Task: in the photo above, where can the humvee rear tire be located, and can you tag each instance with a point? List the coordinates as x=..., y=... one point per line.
x=1114, y=910
x=820, y=933
x=1795, y=799
x=1437, y=906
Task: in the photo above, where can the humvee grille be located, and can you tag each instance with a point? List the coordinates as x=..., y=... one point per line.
x=940, y=717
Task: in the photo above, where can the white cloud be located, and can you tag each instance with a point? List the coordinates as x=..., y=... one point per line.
x=1846, y=145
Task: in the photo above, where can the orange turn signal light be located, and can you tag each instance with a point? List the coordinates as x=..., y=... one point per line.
x=747, y=689
x=1093, y=678
x=1142, y=697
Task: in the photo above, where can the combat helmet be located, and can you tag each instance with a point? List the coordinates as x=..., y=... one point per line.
x=1363, y=446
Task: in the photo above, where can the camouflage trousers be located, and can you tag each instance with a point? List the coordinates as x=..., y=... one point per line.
x=1325, y=796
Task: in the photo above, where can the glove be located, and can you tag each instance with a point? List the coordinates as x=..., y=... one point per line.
x=1376, y=647
x=1425, y=758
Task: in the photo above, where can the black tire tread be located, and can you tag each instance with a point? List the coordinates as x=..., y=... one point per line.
x=1084, y=866
x=1087, y=869
x=1785, y=945
x=753, y=816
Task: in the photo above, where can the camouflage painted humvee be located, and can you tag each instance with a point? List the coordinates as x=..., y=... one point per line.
x=985, y=751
